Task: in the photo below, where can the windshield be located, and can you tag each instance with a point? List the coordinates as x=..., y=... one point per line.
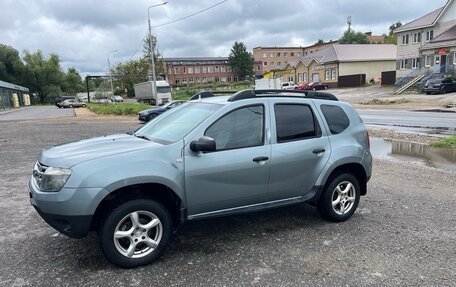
x=178, y=122
x=163, y=89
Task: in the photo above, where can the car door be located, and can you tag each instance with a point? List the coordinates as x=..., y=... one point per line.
x=299, y=148
x=237, y=173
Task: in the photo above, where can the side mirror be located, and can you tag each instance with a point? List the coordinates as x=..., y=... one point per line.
x=204, y=144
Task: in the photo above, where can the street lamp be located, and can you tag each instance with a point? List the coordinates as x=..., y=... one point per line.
x=152, y=49
x=110, y=71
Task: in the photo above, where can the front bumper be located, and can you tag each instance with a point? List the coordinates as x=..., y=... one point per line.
x=70, y=211
x=432, y=89
x=142, y=118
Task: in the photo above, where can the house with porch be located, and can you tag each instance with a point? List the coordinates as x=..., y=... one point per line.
x=427, y=45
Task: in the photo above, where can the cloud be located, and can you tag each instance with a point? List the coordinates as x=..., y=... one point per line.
x=83, y=32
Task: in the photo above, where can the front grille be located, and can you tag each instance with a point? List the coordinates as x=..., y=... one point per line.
x=38, y=172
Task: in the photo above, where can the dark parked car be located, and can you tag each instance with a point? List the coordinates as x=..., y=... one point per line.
x=441, y=85
x=71, y=103
x=312, y=86
x=147, y=115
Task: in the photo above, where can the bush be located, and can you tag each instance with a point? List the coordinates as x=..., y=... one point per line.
x=449, y=142
x=120, y=109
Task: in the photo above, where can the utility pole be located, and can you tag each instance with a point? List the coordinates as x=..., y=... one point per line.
x=110, y=71
x=349, y=22
x=151, y=52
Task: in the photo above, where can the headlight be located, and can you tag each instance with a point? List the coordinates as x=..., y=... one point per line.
x=50, y=178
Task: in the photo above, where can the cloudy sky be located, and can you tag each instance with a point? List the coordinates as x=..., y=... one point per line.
x=83, y=32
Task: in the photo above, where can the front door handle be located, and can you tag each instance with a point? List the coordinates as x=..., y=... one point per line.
x=318, y=150
x=260, y=158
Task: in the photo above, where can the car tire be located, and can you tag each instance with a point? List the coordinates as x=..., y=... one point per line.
x=71, y=106
x=443, y=90
x=340, y=198
x=428, y=93
x=152, y=116
x=326, y=87
x=135, y=233
x=83, y=106
x=313, y=89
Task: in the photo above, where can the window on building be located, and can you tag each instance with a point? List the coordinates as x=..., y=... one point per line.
x=217, y=69
x=405, y=39
x=197, y=79
x=190, y=80
x=403, y=64
x=170, y=71
x=223, y=69
x=223, y=79
x=228, y=79
x=176, y=70
x=210, y=69
x=203, y=79
x=295, y=122
x=265, y=64
x=197, y=70
x=326, y=74
x=428, y=60
x=292, y=54
x=417, y=37
x=415, y=63
x=204, y=69
x=305, y=77
x=190, y=70
x=271, y=54
x=429, y=35
x=285, y=54
x=228, y=69
x=279, y=63
x=278, y=54
x=265, y=55
x=184, y=70
x=258, y=68
x=299, y=77
x=272, y=64
x=333, y=74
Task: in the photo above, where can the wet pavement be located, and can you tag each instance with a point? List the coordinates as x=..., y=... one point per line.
x=414, y=152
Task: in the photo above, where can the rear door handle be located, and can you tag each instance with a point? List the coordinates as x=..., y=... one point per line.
x=318, y=150
x=260, y=158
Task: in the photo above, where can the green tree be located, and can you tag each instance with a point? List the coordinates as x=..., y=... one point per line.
x=11, y=65
x=353, y=37
x=130, y=73
x=320, y=42
x=158, y=59
x=72, y=82
x=241, y=61
x=392, y=38
x=43, y=76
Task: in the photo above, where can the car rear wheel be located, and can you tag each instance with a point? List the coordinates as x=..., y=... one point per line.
x=340, y=198
x=135, y=233
x=443, y=90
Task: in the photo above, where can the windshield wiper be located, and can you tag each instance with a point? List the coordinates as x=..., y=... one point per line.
x=141, y=136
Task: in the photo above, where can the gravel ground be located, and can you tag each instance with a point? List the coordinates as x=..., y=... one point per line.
x=388, y=134
x=403, y=234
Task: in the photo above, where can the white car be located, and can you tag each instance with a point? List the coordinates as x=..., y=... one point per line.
x=288, y=86
x=116, y=99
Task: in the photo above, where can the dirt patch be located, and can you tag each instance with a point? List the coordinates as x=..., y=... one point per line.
x=386, y=134
x=86, y=114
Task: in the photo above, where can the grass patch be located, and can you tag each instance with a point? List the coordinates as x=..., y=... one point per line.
x=120, y=109
x=449, y=142
x=387, y=101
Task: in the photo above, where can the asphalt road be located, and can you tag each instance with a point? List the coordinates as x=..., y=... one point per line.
x=403, y=234
x=427, y=122
x=36, y=113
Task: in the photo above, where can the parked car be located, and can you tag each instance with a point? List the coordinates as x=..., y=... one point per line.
x=71, y=103
x=210, y=157
x=440, y=85
x=116, y=99
x=313, y=86
x=147, y=115
x=288, y=86
x=63, y=98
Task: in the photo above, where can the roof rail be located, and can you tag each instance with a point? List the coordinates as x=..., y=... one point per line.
x=250, y=94
x=208, y=94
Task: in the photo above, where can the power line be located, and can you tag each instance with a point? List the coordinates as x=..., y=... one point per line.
x=191, y=15
x=177, y=20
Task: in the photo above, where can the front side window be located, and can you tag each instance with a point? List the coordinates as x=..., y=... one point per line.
x=240, y=128
x=295, y=122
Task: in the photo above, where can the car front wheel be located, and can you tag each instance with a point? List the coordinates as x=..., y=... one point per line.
x=135, y=233
x=340, y=198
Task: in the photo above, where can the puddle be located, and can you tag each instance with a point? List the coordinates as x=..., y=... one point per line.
x=401, y=150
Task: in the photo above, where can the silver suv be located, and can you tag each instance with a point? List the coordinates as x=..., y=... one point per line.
x=209, y=157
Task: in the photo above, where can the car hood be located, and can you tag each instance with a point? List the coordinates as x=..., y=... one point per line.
x=149, y=111
x=70, y=154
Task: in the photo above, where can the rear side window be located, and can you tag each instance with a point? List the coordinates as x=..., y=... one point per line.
x=336, y=118
x=295, y=122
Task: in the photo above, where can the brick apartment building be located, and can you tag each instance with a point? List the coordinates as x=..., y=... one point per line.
x=268, y=58
x=199, y=70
